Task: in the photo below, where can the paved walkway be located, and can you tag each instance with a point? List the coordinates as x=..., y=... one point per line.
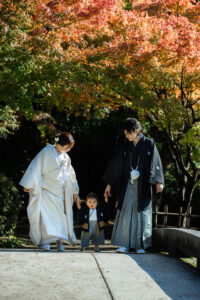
x=32, y=274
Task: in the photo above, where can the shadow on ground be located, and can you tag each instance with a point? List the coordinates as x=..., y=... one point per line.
x=176, y=278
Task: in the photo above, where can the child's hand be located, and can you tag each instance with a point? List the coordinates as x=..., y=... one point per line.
x=26, y=190
x=77, y=200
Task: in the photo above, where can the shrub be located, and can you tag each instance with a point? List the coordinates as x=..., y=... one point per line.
x=11, y=202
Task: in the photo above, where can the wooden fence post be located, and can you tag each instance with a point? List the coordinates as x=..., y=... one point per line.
x=156, y=216
x=184, y=219
x=180, y=216
x=165, y=215
x=189, y=212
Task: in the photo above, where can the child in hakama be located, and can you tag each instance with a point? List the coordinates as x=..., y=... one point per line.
x=91, y=217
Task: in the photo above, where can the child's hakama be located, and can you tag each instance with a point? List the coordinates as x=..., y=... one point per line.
x=92, y=226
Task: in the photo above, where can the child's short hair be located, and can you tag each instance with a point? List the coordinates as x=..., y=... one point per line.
x=92, y=196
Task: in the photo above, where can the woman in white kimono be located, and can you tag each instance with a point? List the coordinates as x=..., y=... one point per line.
x=51, y=182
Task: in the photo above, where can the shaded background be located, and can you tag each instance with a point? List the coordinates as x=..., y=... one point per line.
x=96, y=140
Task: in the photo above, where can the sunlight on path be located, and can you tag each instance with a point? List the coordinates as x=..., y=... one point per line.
x=43, y=276
x=107, y=275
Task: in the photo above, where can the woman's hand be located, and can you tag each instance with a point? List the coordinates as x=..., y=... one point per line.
x=159, y=187
x=107, y=193
x=26, y=190
x=77, y=200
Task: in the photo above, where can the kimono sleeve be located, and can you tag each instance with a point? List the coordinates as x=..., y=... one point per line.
x=74, y=181
x=156, y=169
x=72, y=177
x=33, y=176
x=81, y=215
x=104, y=211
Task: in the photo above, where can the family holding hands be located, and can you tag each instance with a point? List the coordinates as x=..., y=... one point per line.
x=51, y=183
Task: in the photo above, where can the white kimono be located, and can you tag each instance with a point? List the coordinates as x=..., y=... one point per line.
x=51, y=198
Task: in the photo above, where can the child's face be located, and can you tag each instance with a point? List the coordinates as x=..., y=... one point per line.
x=91, y=203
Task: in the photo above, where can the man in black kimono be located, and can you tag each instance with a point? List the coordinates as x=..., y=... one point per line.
x=133, y=171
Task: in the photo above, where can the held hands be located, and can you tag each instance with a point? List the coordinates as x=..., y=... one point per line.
x=77, y=200
x=107, y=193
x=159, y=187
x=26, y=190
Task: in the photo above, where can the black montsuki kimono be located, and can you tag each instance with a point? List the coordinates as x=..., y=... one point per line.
x=146, y=156
x=133, y=222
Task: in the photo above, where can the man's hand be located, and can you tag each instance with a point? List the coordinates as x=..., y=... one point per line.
x=159, y=187
x=107, y=193
x=26, y=190
x=77, y=200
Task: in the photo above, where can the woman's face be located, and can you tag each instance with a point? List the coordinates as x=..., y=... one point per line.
x=91, y=203
x=63, y=149
x=131, y=136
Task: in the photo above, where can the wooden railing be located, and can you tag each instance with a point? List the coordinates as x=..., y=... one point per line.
x=182, y=219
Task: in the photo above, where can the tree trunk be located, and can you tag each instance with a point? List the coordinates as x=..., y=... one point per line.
x=187, y=201
x=189, y=194
x=187, y=173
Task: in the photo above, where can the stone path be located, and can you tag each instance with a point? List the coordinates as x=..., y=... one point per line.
x=34, y=274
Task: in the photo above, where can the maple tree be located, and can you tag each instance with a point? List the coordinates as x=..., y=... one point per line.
x=44, y=46
x=162, y=56
x=171, y=75
x=165, y=59
x=98, y=55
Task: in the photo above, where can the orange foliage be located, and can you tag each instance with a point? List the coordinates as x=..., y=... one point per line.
x=163, y=33
x=156, y=35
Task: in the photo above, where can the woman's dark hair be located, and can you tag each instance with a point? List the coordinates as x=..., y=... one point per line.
x=65, y=138
x=131, y=125
x=92, y=196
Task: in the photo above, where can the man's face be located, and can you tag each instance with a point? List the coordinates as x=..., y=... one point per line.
x=91, y=203
x=131, y=136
